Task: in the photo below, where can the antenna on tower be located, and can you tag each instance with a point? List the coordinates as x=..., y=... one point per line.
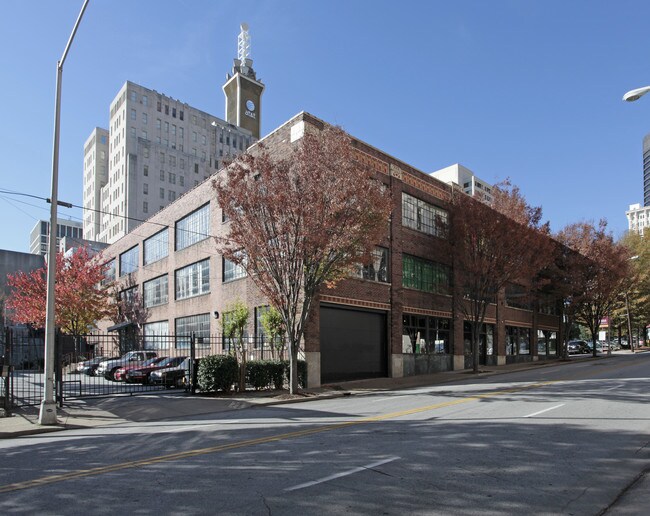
x=244, y=45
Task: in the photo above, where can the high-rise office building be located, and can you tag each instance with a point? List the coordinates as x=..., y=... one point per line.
x=155, y=149
x=39, y=236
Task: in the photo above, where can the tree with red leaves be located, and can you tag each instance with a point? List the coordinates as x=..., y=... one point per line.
x=301, y=221
x=495, y=246
x=597, y=268
x=80, y=299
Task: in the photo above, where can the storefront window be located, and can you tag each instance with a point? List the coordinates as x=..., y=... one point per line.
x=424, y=334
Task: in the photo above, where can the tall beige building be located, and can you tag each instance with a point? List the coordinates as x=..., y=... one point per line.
x=155, y=149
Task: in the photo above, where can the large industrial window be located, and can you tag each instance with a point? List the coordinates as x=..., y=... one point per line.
x=129, y=261
x=156, y=247
x=422, y=216
x=199, y=325
x=156, y=335
x=156, y=291
x=193, y=228
x=193, y=280
x=424, y=275
x=377, y=268
x=232, y=271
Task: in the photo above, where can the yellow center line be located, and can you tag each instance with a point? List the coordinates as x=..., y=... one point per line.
x=253, y=442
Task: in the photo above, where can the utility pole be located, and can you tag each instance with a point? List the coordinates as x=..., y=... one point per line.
x=47, y=414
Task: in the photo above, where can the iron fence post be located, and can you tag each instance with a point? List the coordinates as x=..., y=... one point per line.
x=192, y=358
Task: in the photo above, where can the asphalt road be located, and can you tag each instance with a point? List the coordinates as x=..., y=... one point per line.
x=566, y=439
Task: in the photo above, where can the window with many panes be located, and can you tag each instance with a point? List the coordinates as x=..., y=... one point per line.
x=129, y=261
x=156, y=247
x=156, y=335
x=232, y=271
x=422, y=216
x=156, y=291
x=193, y=228
x=193, y=280
x=377, y=268
x=199, y=325
x=425, y=275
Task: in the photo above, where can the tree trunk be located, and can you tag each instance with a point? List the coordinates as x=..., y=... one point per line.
x=293, y=368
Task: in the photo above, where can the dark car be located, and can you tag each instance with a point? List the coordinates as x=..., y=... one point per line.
x=578, y=347
x=90, y=366
x=171, y=376
x=141, y=374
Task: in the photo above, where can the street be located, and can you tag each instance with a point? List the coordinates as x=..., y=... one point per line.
x=564, y=439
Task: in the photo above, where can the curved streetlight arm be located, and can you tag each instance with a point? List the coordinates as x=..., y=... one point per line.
x=633, y=95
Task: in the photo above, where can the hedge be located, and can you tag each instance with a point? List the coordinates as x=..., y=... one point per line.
x=217, y=373
x=220, y=372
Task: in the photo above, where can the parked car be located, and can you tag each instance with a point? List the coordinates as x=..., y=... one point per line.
x=577, y=347
x=141, y=374
x=120, y=374
x=171, y=376
x=107, y=368
x=614, y=346
x=90, y=366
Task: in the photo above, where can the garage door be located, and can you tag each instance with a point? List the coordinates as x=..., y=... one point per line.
x=353, y=344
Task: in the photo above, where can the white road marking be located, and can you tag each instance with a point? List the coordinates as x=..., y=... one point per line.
x=342, y=474
x=545, y=410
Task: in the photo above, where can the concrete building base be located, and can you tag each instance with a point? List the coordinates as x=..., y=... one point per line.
x=397, y=366
x=459, y=362
x=313, y=369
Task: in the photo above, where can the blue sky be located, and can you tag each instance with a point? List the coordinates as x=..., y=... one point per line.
x=529, y=90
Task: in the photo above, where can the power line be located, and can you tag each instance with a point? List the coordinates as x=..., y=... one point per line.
x=101, y=212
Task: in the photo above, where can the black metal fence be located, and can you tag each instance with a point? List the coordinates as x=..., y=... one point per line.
x=114, y=364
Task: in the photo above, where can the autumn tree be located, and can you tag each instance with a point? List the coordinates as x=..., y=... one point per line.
x=495, y=245
x=598, y=274
x=128, y=307
x=80, y=299
x=633, y=301
x=300, y=221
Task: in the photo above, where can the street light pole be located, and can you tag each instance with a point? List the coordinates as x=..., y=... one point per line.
x=47, y=414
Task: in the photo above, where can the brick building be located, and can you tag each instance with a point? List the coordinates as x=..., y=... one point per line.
x=394, y=317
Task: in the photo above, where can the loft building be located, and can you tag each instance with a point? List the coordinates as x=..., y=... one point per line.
x=464, y=178
x=156, y=148
x=394, y=317
x=40, y=235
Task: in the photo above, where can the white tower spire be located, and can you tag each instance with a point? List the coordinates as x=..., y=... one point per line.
x=244, y=45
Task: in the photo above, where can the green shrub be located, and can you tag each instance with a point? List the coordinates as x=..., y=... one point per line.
x=217, y=373
x=258, y=374
x=264, y=374
x=276, y=371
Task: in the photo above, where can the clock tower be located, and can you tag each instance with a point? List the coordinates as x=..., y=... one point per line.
x=242, y=89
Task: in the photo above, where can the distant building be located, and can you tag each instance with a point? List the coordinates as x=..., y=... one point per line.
x=12, y=262
x=638, y=218
x=466, y=179
x=157, y=148
x=39, y=237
